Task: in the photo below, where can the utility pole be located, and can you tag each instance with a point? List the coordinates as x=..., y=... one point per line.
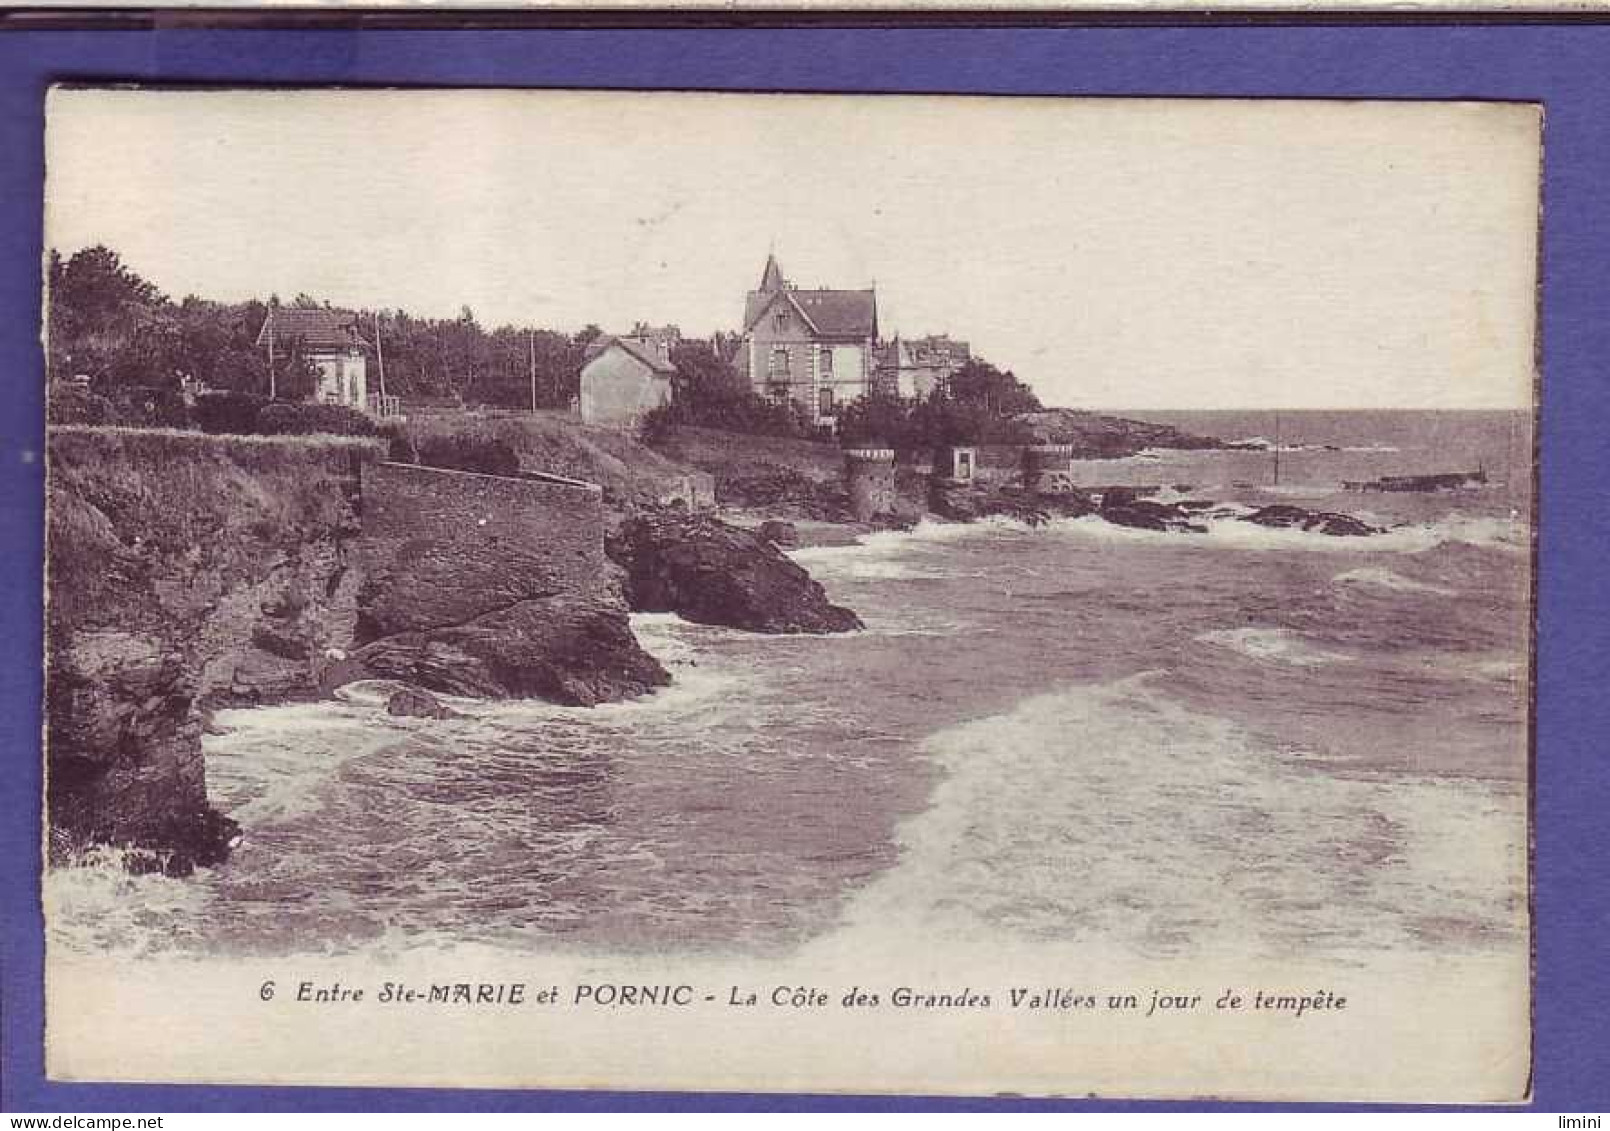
x=272, y=394
x=380, y=360
x=531, y=354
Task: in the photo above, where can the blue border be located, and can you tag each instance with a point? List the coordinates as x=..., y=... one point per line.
x=1565, y=66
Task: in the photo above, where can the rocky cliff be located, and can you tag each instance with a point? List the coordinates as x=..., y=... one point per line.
x=184, y=571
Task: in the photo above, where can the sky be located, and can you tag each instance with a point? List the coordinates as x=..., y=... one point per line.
x=1132, y=253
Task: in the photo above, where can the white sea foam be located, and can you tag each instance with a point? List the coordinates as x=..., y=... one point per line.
x=270, y=761
x=94, y=905
x=1376, y=577
x=1272, y=645
x=1048, y=831
x=899, y=555
x=1224, y=531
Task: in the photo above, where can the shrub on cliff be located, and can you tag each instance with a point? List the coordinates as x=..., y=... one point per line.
x=145, y=406
x=468, y=451
x=730, y=410
x=288, y=418
x=227, y=411
x=657, y=425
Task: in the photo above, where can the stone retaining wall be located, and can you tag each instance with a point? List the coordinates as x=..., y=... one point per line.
x=443, y=547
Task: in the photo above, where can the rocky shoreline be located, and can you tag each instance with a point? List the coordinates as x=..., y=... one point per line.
x=190, y=573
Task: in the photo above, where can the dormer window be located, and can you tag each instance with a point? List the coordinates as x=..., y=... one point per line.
x=779, y=320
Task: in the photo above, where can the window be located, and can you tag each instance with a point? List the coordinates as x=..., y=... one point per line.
x=825, y=361
x=824, y=402
x=779, y=320
x=779, y=362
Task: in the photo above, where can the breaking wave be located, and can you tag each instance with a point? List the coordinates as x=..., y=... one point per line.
x=1272, y=645
x=1379, y=578
x=1225, y=530
x=1046, y=830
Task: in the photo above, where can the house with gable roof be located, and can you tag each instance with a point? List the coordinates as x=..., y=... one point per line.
x=815, y=347
x=624, y=377
x=329, y=340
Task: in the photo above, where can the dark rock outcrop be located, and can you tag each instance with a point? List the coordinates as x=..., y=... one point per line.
x=1123, y=509
x=125, y=743
x=575, y=649
x=1442, y=481
x=1282, y=516
x=713, y=573
x=969, y=502
x=413, y=702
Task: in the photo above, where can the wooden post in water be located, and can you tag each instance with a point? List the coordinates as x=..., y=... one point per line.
x=1277, y=447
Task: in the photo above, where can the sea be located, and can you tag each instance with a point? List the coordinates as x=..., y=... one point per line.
x=1245, y=743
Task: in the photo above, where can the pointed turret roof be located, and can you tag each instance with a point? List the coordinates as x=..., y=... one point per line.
x=771, y=279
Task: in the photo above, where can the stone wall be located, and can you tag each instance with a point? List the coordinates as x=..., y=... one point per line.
x=445, y=547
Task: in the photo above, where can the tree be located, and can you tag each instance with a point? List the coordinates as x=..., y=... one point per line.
x=107, y=322
x=1001, y=393
x=701, y=375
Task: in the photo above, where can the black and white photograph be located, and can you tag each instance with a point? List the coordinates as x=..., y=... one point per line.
x=833, y=593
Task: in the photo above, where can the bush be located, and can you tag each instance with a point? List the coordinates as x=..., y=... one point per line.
x=144, y=406
x=466, y=451
x=729, y=410
x=227, y=411
x=74, y=404
x=658, y=424
x=288, y=418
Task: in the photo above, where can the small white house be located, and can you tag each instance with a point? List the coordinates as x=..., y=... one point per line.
x=624, y=378
x=329, y=340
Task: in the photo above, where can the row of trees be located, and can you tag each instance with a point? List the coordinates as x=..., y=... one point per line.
x=119, y=330
x=116, y=328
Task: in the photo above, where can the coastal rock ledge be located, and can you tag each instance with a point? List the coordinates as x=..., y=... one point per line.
x=709, y=572
x=573, y=649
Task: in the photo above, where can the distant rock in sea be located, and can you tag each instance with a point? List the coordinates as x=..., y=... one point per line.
x=1282, y=516
x=419, y=704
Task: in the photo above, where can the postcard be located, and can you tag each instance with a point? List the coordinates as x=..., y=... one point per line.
x=804, y=593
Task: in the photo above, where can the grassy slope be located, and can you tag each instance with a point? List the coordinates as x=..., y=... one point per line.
x=735, y=455
x=559, y=443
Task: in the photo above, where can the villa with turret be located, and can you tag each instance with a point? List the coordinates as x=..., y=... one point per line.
x=820, y=347
x=817, y=347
